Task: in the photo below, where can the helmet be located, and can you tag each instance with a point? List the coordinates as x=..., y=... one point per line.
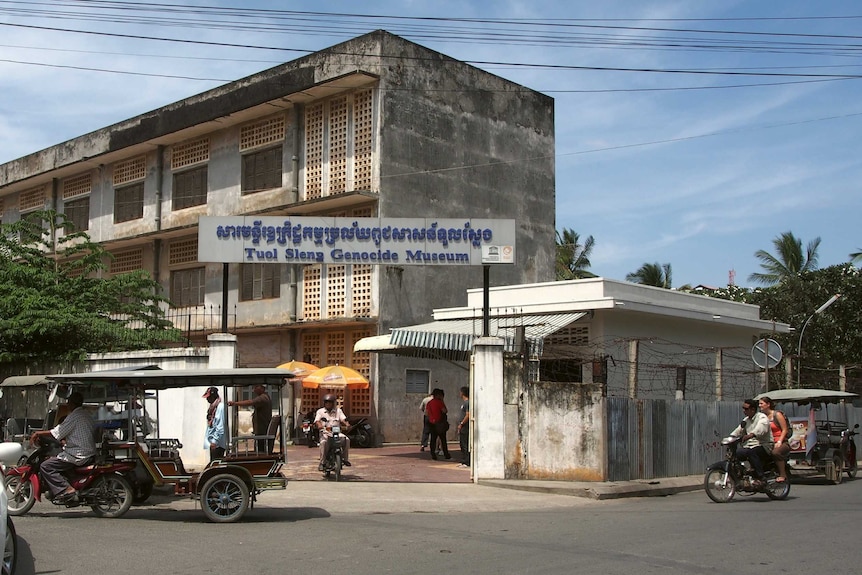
x=328, y=397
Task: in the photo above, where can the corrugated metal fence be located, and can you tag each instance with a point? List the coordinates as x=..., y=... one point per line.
x=648, y=439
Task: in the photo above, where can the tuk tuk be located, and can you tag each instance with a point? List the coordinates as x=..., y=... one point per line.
x=822, y=431
x=28, y=406
x=226, y=487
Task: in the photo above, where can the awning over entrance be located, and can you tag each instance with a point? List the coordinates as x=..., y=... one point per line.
x=448, y=337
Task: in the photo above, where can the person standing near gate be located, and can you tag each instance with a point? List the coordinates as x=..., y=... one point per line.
x=464, y=427
x=215, y=440
x=262, y=405
x=426, y=427
x=436, y=411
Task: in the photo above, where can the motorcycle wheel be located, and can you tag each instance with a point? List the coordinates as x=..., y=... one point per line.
x=24, y=500
x=777, y=491
x=224, y=498
x=361, y=438
x=719, y=486
x=114, y=496
x=337, y=468
x=10, y=550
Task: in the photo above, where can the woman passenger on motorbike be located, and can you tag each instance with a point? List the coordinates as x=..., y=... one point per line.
x=324, y=419
x=781, y=432
x=756, y=438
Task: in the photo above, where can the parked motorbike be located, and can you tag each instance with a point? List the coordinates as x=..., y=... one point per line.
x=361, y=433
x=309, y=430
x=334, y=460
x=102, y=485
x=724, y=479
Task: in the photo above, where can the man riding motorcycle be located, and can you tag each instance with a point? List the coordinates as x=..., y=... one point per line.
x=78, y=432
x=324, y=419
x=756, y=444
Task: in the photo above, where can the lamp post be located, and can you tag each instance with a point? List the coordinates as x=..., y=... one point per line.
x=818, y=311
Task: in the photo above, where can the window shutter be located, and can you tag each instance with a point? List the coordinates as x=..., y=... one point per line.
x=247, y=282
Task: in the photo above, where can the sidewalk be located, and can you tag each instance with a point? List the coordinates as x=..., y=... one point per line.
x=403, y=463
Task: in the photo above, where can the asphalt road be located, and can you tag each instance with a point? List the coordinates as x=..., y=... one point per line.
x=373, y=528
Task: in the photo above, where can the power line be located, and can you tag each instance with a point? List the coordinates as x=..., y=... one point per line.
x=472, y=62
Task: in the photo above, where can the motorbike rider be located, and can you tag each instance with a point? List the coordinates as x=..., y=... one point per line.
x=78, y=433
x=756, y=444
x=324, y=419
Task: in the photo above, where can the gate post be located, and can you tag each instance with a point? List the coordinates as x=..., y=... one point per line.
x=487, y=410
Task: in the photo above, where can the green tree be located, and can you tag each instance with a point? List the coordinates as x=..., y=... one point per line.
x=54, y=305
x=657, y=275
x=788, y=262
x=573, y=258
x=856, y=257
x=832, y=338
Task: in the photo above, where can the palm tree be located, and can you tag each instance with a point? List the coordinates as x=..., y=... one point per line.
x=789, y=261
x=658, y=275
x=573, y=259
x=856, y=257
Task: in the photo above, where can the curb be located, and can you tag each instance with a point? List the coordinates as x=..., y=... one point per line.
x=603, y=490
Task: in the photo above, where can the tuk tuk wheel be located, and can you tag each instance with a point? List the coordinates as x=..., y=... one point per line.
x=143, y=490
x=224, y=498
x=852, y=464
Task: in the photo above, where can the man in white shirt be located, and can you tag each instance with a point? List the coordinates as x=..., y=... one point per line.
x=756, y=437
x=324, y=419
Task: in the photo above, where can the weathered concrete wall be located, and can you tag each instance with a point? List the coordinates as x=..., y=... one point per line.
x=564, y=424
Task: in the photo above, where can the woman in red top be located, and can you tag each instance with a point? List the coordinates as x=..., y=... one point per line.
x=781, y=432
x=436, y=411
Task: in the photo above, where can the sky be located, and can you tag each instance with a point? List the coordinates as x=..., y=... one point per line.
x=688, y=133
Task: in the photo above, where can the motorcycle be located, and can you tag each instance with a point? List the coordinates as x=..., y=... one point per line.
x=102, y=485
x=724, y=479
x=310, y=431
x=334, y=460
x=361, y=433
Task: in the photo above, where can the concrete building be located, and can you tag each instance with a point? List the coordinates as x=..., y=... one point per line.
x=374, y=127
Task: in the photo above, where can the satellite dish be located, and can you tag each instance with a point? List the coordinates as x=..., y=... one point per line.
x=766, y=353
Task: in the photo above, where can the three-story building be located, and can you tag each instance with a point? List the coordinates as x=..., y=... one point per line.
x=374, y=127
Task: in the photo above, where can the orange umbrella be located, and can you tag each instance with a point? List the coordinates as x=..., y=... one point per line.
x=299, y=368
x=335, y=376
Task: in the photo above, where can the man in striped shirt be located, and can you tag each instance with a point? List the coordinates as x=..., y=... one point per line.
x=78, y=432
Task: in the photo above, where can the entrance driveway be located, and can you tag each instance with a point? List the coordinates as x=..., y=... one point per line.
x=399, y=463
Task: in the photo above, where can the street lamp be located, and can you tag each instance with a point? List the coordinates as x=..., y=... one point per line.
x=818, y=311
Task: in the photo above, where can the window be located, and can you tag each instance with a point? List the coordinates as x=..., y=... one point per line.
x=262, y=170
x=190, y=188
x=260, y=281
x=35, y=230
x=129, y=203
x=417, y=381
x=78, y=213
x=562, y=370
x=188, y=287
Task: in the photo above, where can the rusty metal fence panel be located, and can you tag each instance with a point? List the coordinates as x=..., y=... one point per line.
x=649, y=439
